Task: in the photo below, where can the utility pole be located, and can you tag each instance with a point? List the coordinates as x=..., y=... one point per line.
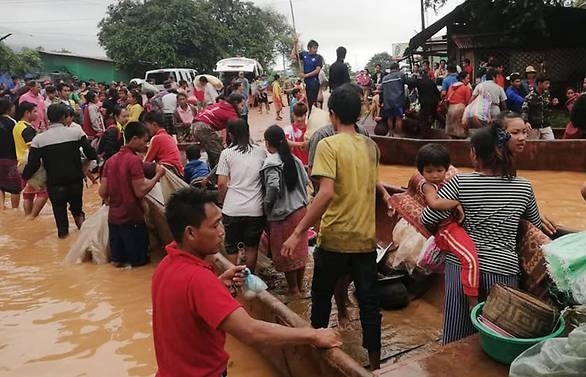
x=422, y=15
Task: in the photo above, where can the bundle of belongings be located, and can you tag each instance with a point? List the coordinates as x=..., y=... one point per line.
x=412, y=236
x=92, y=241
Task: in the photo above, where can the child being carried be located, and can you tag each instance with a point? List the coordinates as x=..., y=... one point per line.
x=433, y=161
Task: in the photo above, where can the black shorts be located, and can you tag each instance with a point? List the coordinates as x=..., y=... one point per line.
x=245, y=229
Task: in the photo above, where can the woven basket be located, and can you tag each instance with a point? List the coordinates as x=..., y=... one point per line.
x=519, y=313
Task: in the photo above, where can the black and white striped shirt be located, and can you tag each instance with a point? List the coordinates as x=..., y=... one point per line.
x=493, y=207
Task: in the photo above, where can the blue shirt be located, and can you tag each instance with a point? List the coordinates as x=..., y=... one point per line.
x=448, y=81
x=310, y=63
x=195, y=169
x=514, y=99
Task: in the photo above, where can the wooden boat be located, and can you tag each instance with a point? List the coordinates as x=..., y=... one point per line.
x=559, y=154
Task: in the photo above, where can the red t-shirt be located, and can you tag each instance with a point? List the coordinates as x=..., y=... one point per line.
x=295, y=133
x=189, y=303
x=217, y=115
x=120, y=170
x=163, y=149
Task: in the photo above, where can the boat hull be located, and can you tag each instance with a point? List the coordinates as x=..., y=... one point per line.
x=566, y=155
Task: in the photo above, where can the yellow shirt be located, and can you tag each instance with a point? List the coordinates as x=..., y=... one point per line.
x=277, y=91
x=134, y=112
x=351, y=160
x=23, y=134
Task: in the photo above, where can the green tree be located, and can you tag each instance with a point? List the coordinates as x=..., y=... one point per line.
x=192, y=33
x=19, y=63
x=382, y=58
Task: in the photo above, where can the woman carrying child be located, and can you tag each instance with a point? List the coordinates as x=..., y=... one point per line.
x=285, y=201
x=494, y=200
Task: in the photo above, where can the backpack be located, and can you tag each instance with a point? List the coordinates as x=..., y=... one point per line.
x=477, y=113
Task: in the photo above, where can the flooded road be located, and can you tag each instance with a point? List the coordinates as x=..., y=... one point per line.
x=94, y=320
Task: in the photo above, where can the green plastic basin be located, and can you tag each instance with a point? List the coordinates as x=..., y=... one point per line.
x=503, y=349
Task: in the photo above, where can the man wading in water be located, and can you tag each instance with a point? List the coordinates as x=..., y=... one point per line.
x=192, y=307
x=346, y=166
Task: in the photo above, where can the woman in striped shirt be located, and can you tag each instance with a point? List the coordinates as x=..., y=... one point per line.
x=494, y=200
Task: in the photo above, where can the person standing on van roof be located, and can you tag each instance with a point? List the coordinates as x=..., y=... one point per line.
x=312, y=65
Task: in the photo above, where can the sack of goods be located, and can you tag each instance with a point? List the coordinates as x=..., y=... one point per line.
x=518, y=313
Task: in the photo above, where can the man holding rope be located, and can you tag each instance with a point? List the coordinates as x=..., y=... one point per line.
x=311, y=63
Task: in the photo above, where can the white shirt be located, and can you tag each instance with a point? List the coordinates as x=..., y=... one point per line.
x=244, y=196
x=210, y=94
x=169, y=103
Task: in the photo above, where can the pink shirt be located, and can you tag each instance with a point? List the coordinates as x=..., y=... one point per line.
x=40, y=124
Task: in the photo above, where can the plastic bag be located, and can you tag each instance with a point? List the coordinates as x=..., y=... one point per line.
x=477, y=113
x=252, y=284
x=317, y=120
x=39, y=180
x=566, y=264
x=410, y=244
x=170, y=183
x=555, y=357
x=92, y=241
x=431, y=258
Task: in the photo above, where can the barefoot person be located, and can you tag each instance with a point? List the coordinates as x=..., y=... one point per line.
x=59, y=150
x=346, y=165
x=9, y=176
x=33, y=199
x=285, y=183
x=193, y=309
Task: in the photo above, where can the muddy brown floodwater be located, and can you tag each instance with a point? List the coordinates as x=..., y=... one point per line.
x=94, y=320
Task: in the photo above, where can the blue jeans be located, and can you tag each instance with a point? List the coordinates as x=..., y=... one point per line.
x=329, y=268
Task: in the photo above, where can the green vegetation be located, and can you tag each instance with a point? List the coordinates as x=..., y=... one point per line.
x=196, y=34
x=18, y=63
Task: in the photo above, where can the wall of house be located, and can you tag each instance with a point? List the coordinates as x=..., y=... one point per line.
x=83, y=68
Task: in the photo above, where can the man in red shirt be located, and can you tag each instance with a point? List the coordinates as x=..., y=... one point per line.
x=193, y=309
x=163, y=148
x=123, y=185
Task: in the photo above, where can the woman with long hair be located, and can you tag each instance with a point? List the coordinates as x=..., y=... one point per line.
x=285, y=201
x=494, y=200
x=240, y=190
x=213, y=119
x=134, y=106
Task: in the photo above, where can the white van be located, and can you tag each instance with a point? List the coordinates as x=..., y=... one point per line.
x=157, y=77
x=228, y=68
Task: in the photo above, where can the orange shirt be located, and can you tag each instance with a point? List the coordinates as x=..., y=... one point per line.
x=459, y=93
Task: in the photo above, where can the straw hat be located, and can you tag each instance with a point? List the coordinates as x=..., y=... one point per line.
x=530, y=69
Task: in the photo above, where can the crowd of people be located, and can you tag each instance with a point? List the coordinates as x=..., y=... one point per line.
x=49, y=134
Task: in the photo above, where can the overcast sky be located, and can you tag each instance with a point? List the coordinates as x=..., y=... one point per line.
x=364, y=27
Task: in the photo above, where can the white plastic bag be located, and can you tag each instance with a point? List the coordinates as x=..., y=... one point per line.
x=555, y=357
x=410, y=243
x=92, y=240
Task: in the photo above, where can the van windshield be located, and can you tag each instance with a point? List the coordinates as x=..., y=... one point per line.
x=159, y=78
